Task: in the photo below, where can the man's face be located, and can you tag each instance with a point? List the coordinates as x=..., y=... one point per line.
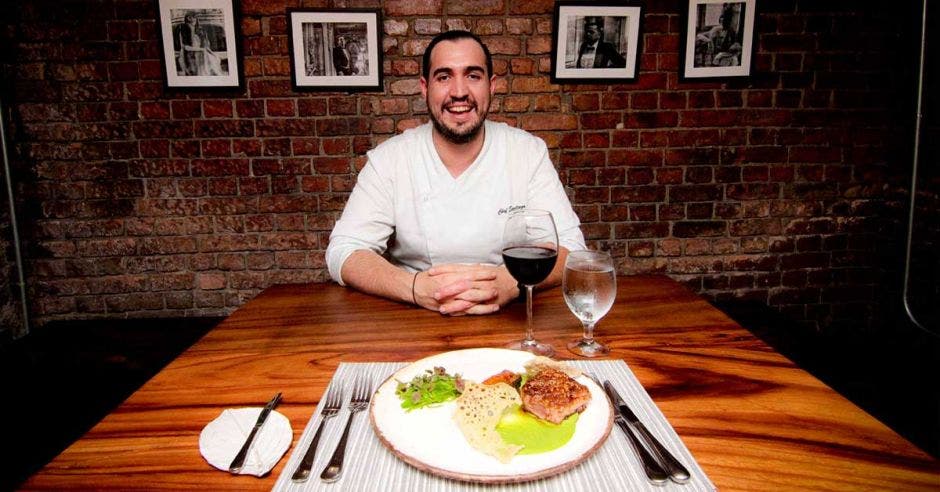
x=458, y=91
x=592, y=33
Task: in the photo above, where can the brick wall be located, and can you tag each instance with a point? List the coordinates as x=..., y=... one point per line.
x=785, y=189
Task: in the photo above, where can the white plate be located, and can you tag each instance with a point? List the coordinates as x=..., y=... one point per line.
x=429, y=440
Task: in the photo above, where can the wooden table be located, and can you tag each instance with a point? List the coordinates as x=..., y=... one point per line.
x=753, y=420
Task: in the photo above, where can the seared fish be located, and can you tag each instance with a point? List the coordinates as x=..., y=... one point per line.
x=552, y=395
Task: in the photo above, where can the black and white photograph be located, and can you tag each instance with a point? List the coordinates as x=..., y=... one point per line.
x=718, y=39
x=335, y=50
x=597, y=43
x=200, y=44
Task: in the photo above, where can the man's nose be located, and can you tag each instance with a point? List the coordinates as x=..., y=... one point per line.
x=458, y=87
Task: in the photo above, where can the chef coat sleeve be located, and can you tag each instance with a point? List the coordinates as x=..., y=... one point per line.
x=366, y=223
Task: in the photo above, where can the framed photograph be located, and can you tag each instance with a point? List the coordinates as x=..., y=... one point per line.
x=718, y=39
x=595, y=43
x=335, y=50
x=200, y=43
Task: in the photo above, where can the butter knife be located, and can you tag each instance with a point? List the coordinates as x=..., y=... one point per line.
x=239, y=460
x=672, y=466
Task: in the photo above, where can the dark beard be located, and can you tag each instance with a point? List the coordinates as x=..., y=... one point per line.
x=460, y=136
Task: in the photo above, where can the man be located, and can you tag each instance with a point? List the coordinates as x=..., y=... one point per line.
x=722, y=41
x=596, y=53
x=341, y=57
x=424, y=222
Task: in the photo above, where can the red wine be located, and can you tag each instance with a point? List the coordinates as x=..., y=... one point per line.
x=529, y=264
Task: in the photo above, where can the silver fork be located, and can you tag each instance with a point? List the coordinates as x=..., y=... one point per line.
x=362, y=392
x=331, y=405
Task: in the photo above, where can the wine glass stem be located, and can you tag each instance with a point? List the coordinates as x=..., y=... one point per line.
x=588, y=332
x=529, y=333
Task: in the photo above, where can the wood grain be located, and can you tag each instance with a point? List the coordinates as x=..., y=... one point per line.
x=753, y=420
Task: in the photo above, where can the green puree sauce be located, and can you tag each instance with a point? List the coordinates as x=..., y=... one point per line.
x=538, y=436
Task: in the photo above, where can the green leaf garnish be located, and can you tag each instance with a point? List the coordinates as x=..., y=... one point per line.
x=429, y=389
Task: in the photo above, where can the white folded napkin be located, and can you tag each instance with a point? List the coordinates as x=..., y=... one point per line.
x=222, y=438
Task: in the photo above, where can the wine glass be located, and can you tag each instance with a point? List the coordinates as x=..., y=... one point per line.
x=530, y=249
x=589, y=285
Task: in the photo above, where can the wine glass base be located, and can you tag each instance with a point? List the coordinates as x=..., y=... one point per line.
x=588, y=349
x=536, y=348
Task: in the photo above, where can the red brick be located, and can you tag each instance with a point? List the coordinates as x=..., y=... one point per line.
x=246, y=147
x=280, y=107
x=186, y=109
x=549, y=122
x=475, y=7
x=133, y=302
x=249, y=108
x=581, y=159
x=516, y=25
x=617, y=100
x=596, y=140
x=531, y=7
x=538, y=45
x=699, y=229
x=600, y=120
x=404, y=8
x=637, y=194
x=585, y=102
x=641, y=230
x=650, y=119
x=216, y=148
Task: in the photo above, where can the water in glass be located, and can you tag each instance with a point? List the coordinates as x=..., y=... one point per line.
x=589, y=286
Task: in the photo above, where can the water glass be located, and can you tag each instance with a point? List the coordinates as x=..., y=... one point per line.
x=589, y=285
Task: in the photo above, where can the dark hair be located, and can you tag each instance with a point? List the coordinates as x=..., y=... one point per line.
x=453, y=36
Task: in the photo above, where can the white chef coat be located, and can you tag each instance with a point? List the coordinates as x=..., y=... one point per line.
x=407, y=206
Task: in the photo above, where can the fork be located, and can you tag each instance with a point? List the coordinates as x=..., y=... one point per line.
x=332, y=403
x=362, y=392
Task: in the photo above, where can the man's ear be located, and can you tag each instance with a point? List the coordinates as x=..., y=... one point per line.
x=492, y=85
x=424, y=87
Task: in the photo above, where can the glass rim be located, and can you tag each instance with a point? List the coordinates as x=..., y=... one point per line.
x=590, y=253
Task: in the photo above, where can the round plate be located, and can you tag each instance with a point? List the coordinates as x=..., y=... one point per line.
x=429, y=440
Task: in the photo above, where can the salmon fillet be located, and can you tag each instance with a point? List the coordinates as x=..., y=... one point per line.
x=553, y=395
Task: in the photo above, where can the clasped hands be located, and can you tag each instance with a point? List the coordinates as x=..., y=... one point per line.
x=458, y=289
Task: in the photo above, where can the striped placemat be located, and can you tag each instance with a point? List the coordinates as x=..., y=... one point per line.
x=370, y=466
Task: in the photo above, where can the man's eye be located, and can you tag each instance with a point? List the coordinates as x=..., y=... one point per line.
x=442, y=78
x=474, y=76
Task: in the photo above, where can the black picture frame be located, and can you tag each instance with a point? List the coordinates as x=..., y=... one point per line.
x=200, y=44
x=337, y=50
x=614, y=57
x=711, y=50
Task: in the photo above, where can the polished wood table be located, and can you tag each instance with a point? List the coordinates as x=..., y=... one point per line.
x=752, y=419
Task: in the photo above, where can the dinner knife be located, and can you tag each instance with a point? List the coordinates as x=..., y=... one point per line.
x=670, y=464
x=239, y=460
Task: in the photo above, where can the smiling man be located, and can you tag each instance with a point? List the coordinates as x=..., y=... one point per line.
x=424, y=222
